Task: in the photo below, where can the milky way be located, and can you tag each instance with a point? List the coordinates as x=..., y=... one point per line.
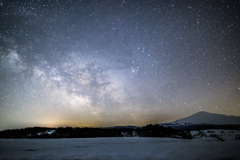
x=111, y=62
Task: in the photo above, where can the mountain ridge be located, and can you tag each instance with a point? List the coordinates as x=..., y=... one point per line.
x=204, y=117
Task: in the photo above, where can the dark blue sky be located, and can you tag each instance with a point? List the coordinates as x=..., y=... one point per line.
x=112, y=62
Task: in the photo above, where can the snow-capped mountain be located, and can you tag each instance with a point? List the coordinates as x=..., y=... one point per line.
x=203, y=117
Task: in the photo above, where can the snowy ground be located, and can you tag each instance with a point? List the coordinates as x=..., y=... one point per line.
x=119, y=148
x=225, y=135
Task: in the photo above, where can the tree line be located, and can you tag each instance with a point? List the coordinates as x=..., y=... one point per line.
x=86, y=132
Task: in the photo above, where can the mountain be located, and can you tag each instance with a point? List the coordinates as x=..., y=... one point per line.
x=121, y=127
x=204, y=118
x=208, y=118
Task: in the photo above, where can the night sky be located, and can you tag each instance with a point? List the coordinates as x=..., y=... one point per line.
x=104, y=63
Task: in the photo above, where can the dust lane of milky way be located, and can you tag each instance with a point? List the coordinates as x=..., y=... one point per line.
x=106, y=63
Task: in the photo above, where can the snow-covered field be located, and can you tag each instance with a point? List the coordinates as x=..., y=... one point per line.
x=119, y=148
x=224, y=135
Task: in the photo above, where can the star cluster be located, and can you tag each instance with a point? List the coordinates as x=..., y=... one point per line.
x=111, y=62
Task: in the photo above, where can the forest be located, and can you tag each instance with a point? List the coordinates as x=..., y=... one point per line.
x=70, y=132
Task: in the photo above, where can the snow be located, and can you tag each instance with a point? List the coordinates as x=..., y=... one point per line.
x=226, y=135
x=49, y=132
x=132, y=134
x=119, y=148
